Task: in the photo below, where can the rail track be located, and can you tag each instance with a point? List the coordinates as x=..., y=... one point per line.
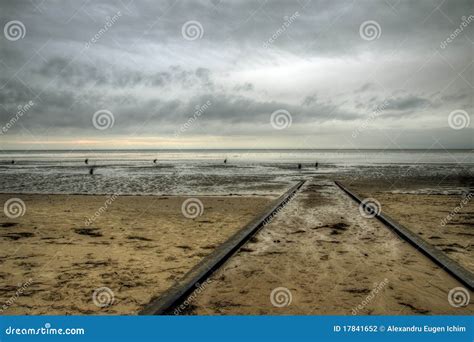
x=440, y=258
x=176, y=295
x=169, y=301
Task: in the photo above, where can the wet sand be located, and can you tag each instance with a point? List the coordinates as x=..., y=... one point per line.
x=319, y=256
x=52, y=261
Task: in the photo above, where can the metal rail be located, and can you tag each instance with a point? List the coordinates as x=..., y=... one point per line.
x=440, y=258
x=173, y=297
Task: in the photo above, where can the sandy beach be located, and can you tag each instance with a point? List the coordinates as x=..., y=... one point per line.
x=52, y=261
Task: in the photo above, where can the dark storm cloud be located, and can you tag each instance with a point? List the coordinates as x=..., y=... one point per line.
x=251, y=60
x=324, y=27
x=407, y=103
x=57, y=111
x=81, y=74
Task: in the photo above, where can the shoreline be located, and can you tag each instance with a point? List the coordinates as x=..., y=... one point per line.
x=139, y=195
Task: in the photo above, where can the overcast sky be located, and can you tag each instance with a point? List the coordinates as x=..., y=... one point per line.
x=210, y=74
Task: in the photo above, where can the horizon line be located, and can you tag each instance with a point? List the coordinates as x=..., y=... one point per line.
x=240, y=149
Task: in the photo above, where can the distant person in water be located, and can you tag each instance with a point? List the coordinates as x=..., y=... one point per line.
x=86, y=161
x=13, y=162
x=316, y=164
x=299, y=166
x=91, y=171
x=225, y=161
x=154, y=161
